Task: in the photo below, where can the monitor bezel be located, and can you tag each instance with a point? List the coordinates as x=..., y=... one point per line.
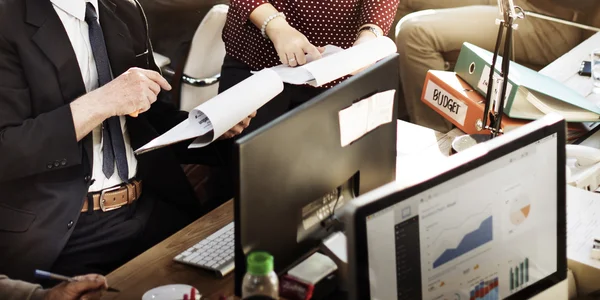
x=358, y=218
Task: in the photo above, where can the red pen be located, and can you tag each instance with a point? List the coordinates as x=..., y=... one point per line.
x=193, y=294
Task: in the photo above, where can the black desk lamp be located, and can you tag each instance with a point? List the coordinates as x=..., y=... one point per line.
x=494, y=108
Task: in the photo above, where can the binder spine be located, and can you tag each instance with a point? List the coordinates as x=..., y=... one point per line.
x=474, y=70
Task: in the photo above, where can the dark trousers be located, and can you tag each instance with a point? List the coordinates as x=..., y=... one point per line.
x=103, y=241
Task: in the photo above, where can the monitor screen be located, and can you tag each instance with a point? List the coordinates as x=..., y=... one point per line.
x=486, y=234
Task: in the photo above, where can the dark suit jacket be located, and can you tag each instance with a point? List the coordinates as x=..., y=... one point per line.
x=44, y=171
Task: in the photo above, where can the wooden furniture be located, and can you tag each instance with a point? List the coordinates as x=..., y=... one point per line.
x=156, y=267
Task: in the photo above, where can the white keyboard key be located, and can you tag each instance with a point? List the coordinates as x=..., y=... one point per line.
x=215, y=252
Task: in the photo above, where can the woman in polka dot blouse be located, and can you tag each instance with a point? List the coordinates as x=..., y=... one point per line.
x=264, y=33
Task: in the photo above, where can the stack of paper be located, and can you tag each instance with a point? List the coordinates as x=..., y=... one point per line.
x=336, y=62
x=213, y=118
x=583, y=224
x=216, y=116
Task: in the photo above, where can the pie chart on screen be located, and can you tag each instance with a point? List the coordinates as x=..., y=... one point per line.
x=520, y=209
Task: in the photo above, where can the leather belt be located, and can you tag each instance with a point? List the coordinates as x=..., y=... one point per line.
x=115, y=197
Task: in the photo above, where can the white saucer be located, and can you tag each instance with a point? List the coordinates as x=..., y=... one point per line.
x=170, y=292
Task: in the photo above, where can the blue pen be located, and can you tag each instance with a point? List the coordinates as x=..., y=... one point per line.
x=47, y=275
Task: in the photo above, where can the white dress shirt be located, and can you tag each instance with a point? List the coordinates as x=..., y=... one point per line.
x=72, y=15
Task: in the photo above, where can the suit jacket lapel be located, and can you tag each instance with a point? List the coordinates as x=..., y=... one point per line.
x=53, y=41
x=117, y=37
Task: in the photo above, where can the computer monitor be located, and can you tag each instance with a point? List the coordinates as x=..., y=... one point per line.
x=490, y=226
x=293, y=171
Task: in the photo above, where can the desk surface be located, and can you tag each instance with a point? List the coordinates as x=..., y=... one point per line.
x=156, y=267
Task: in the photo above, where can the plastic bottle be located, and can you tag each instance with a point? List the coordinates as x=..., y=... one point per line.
x=260, y=281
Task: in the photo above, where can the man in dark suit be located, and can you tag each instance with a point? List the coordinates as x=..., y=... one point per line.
x=73, y=197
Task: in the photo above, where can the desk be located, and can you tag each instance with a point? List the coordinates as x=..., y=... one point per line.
x=566, y=70
x=156, y=267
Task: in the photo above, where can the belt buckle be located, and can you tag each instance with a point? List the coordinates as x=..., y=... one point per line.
x=102, y=207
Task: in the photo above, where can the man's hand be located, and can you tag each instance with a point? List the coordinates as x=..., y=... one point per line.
x=86, y=287
x=132, y=92
x=129, y=94
x=237, y=129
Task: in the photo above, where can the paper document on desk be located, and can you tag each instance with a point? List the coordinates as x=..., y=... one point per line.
x=336, y=62
x=216, y=116
x=421, y=150
x=365, y=115
x=583, y=224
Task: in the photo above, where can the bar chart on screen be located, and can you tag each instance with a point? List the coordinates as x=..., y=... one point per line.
x=519, y=275
x=456, y=233
x=485, y=290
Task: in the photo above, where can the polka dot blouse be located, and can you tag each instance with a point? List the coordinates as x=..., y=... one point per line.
x=323, y=22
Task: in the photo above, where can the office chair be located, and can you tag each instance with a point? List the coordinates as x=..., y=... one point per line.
x=199, y=79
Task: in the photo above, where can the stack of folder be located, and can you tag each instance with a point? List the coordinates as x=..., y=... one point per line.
x=460, y=96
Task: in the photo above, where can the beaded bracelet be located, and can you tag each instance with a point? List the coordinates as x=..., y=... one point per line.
x=263, y=29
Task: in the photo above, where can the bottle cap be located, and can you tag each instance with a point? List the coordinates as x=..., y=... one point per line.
x=260, y=263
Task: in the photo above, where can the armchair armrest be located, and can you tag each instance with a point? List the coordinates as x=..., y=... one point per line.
x=163, y=63
x=200, y=82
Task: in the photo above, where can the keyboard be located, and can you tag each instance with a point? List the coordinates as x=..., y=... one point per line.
x=214, y=253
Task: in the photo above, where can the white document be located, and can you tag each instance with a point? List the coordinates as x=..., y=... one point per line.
x=214, y=117
x=365, y=115
x=583, y=224
x=336, y=63
x=300, y=75
x=421, y=150
x=483, y=84
x=336, y=243
x=313, y=269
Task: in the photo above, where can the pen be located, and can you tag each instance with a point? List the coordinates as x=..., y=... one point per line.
x=47, y=275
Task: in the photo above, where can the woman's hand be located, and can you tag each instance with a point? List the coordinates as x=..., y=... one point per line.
x=291, y=45
x=363, y=37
